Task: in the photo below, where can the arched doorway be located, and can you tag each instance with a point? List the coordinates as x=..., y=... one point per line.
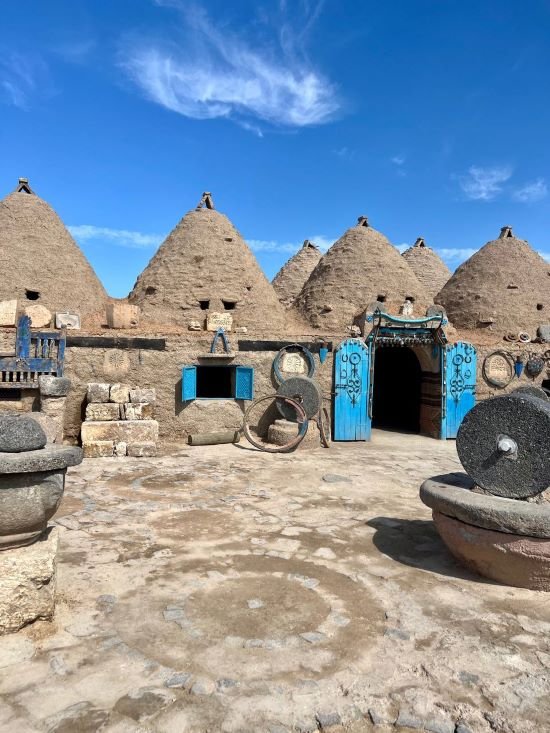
x=396, y=389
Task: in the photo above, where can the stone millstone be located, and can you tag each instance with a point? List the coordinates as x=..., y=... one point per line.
x=524, y=419
x=18, y=434
x=305, y=391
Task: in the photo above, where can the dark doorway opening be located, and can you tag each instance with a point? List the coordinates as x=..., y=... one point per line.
x=214, y=382
x=396, y=389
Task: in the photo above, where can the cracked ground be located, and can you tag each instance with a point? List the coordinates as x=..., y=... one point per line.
x=224, y=589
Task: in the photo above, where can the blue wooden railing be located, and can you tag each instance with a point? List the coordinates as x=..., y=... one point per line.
x=36, y=353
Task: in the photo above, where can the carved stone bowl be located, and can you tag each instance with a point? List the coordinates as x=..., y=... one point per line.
x=507, y=540
x=31, y=489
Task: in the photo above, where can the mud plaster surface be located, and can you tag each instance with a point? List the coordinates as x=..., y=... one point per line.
x=223, y=589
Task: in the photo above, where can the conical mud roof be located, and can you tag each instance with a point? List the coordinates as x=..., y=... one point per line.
x=505, y=286
x=428, y=266
x=204, y=266
x=361, y=267
x=40, y=263
x=292, y=276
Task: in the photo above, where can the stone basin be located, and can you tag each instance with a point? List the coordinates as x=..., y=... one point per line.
x=506, y=540
x=31, y=489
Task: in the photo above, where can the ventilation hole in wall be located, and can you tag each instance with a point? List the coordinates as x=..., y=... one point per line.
x=150, y=290
x=32, y=294
x=381, y=298
x=511, y=286
x=229, y=305
x=540, y=306
x=204, y=305
x=228, y=239
x=11, y=395
x=249, y=288
x=409, y=298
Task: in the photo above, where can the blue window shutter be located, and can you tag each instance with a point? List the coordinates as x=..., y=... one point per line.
x=244, y=383
x=188, y=383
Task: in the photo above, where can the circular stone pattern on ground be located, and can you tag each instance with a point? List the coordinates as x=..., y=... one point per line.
x=520, y=561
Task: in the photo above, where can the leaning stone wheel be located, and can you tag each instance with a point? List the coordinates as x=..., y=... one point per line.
x=531, y=389
x=503, y=445
x=305, y=391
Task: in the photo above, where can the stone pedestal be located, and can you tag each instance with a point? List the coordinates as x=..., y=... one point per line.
x=53, y=396
x=27, y=583
x=282, y=431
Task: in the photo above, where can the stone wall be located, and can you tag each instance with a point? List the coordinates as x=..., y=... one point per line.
x=161, y=370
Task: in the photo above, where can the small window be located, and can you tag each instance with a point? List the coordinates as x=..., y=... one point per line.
x=540, y=306
x=204, y=305
x=150, y=290
x=217, y=383
x=229, y=305
x=409, y=298
x=381, y=298
x=32, y=294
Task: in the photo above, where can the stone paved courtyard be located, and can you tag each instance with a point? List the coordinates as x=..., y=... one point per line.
x=223, y=589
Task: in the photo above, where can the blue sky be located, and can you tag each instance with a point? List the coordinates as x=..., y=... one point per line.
x=431, y=117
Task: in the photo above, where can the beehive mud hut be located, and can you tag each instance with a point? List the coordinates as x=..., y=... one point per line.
x=504, y=287
x=40, y=262
x=428, y=267
x=291, y=278
x=361, y=267
x=204, y=266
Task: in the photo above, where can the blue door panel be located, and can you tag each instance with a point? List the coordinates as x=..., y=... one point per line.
x=351, y=391
x=459, y=385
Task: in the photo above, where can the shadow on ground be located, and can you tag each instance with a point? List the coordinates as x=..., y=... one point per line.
x=416, y=542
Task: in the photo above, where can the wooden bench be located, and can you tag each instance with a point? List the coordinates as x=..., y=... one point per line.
x=36, y=353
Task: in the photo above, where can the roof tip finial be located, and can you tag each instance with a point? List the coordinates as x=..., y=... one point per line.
x=420, y=242
x=506, y=231
x=206, y=202
x=362, y=221
x=23, y=186
x=308, y=243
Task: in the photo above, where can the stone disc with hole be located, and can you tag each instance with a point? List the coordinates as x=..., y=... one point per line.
x=525, y=419
x=305, y=391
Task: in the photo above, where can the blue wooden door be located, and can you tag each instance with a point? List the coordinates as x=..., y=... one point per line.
x=459, y=386
x=351, y=391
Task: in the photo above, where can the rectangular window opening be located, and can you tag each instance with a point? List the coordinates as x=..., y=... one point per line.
x=11, y=395
x=214, y=382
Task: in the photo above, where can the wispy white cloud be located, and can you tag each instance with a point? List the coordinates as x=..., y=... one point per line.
x=454, y=256
x=345, y=153
x=398, y=159
x=119, y=237
x=22, y=77
x=484, y=184
x=212, y=73
x=271, y=245
x=531, y=192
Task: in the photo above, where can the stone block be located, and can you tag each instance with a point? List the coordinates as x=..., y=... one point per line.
x=27, y=583
x=48, y=425
x=139, y=450
x=39, y=315
x=98, y=392
x=122, y=315
x=122, y=431
x=120, y=393
x=121, y=449
x=543, y=332
x=138, y=411
x=194, y=326
x=219, y=320
x=103, y=411
x=98, y=449
x=8, y=312
x=143, y=394
x=70, y=321
x=54, y=386
x=54, y=408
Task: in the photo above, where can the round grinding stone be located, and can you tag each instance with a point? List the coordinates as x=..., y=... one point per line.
x=526, y=420
x=305, y=391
